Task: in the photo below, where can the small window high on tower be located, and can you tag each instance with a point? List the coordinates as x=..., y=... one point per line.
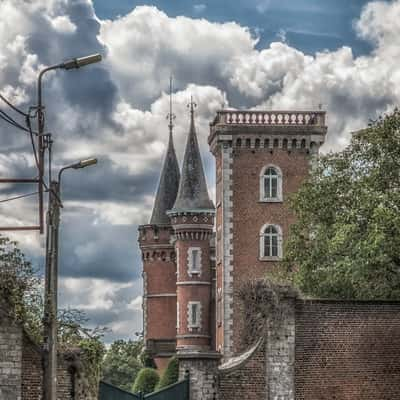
x=271, y=184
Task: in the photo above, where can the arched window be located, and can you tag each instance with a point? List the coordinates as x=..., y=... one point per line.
x=270, y=242
x=271, y=184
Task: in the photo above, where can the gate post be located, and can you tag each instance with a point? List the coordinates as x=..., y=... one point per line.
x=201, y=370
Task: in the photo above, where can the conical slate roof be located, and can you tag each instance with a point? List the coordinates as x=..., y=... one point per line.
x=192, y=193
x=167, y=187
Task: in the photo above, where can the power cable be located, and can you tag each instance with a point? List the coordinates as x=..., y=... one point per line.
x=18, y=197
x=5, y=117
x=12, y=106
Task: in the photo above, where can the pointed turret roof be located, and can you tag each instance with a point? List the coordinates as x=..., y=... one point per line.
x=167, y=187
x=192, y=193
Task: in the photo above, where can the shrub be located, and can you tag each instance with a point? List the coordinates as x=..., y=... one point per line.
x=146, y=381
x=170, y=375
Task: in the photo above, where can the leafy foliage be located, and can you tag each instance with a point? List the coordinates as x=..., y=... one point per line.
x=122, y=363
x=146, y=381
x=170, y=375
x=21, y=291
x=20, y=287
x=346, y=242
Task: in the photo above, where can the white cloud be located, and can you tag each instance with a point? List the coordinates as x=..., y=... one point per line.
x=63, y=24
x=146, y=46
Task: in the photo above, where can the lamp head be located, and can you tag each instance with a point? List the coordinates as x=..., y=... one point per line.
x=81, y=61
x=85, y=163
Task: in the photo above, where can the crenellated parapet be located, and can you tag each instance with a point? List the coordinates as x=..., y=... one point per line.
x=288, y=130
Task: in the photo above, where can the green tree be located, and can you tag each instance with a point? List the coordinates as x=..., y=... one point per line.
x=170, y=375
x=346, y=242
x=146, y=381
x=122, y=363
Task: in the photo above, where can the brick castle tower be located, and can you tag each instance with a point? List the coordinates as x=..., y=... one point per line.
x=261, y=158
x=191, y=304
x=192, y=218
x=159, y=264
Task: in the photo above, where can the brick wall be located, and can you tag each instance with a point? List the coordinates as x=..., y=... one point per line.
x=323, y=350
x=21, y=368
x=248, y=381
x=347, y=350
x=32, y=370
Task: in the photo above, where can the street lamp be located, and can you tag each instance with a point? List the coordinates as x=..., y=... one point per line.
x=67, y=65
x=51, y=286
x=50, y=306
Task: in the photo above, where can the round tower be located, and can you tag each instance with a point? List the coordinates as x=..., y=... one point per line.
x=192, y=218
x=159, y=265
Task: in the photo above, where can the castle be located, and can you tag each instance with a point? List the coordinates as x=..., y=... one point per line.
x=196, y=254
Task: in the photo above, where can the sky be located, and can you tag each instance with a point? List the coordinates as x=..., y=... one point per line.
x=263, y=54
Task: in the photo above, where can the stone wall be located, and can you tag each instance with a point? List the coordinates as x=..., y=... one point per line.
x=10, y=359
x=202, y=374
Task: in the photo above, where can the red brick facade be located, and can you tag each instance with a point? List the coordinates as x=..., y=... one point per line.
x=159, y=275
x=245, y=144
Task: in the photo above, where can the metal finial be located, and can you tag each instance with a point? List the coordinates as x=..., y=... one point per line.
x=170, y=116
x=192, y=105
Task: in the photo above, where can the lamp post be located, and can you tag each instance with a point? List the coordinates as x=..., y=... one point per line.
x=51, y=273
x=53, y=223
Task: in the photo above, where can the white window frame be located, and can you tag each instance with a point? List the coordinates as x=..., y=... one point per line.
x=197, y=324
x=279, y=195
x=262, y=243
x=194, y=269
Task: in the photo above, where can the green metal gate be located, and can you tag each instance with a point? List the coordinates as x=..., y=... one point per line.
x=110, y=392
x=177, y=391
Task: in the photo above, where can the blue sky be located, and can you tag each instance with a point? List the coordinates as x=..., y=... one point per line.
x=258, y=53
x=310, y=25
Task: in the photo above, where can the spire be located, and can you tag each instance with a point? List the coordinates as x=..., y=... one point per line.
x=192, y=193
x=169, y=179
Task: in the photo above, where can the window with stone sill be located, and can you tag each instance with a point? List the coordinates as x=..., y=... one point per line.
x=194, y=315
x=271, y=242
x=194, y=261
x=271, y=184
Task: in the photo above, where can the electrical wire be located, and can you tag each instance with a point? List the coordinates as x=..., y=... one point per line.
x=12, y=106
x=18, y=197
x=5, y=117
